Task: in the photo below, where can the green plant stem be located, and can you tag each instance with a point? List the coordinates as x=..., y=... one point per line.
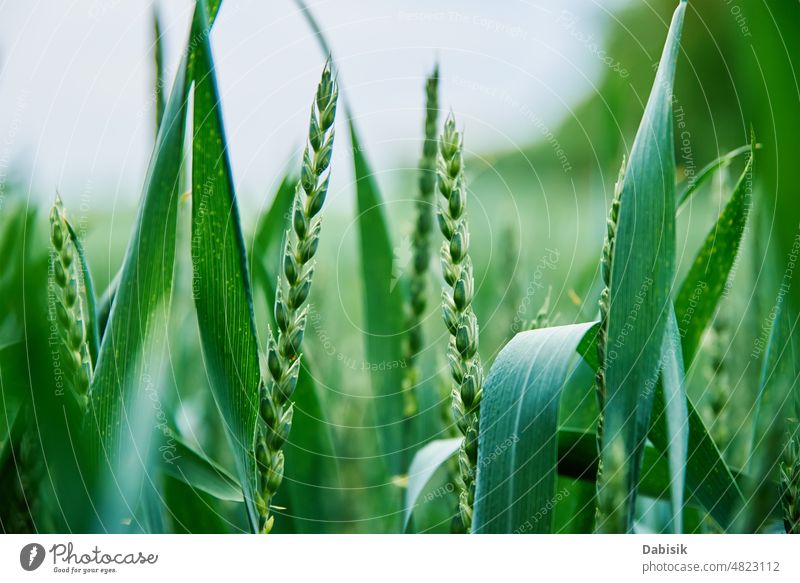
x=421, y=252
x=294, y=285
x=465, y=363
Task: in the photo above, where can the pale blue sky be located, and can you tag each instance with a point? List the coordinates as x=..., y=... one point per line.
x=75, y=86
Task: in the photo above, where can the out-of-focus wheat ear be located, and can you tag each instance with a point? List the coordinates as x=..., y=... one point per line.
x=421, y=244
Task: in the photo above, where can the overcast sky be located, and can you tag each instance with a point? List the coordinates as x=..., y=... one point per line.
x=76, y=80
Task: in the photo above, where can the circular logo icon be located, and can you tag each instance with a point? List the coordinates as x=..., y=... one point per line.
x=31, y=556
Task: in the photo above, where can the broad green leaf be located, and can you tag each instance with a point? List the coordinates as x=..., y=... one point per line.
x=673, y=386
x=705, y=283
x=199, y=472
x=518, y=442
x=383, y=318
x=709, y=170
x=131, y=350
x=221, y=285
x=425, y=463
x=641, y=278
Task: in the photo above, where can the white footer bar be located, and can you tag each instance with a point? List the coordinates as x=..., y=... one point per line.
x=406, y=559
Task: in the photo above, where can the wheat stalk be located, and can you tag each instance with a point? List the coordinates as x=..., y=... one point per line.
x=68, y=306
x=459, y=317
x=608, y=516
x=294, y=285
x=420, y=242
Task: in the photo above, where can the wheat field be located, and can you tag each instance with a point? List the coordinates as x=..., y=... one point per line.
x=429, y=361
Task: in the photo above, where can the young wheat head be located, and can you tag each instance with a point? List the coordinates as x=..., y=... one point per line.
x=67, y=299
x=294, y=285
x=607, y=515
x=459, y=317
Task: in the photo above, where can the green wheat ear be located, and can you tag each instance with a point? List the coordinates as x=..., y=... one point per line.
x=420, y=242
x=790, y=473
x=718, y=380
x=294, y=286
x=609, y=516
x=790, y=485
x=66, y=302
x=465, y=363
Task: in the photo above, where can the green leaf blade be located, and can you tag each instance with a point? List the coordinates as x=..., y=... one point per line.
x=704, y=285
x=130, y=350
x=641, y=278
x=677, y=417
x=221, y=286
x=709, y=170
x=383, y=318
